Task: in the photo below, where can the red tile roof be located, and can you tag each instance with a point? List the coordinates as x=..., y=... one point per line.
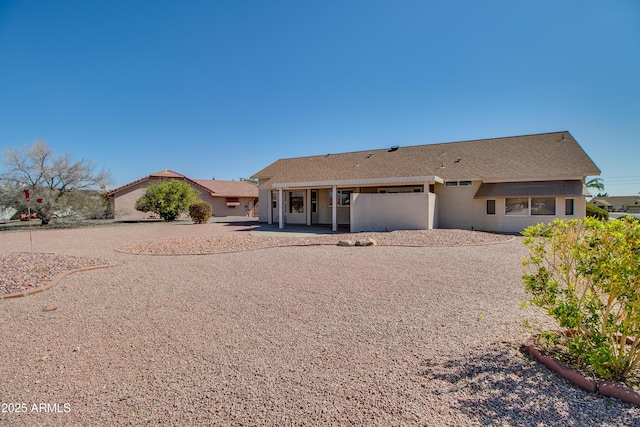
x=229, y=188
x=216, y=188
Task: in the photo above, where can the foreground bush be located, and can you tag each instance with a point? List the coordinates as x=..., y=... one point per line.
x=586, y=275
x=200, y=212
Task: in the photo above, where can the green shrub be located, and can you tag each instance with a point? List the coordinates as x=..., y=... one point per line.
x=594, y=211
x=586, y=275
x=168, y=199
x=200, y=212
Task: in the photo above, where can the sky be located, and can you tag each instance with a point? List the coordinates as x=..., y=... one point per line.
x=223, y=88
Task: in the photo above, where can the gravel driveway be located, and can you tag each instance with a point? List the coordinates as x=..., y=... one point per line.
x=291, y=335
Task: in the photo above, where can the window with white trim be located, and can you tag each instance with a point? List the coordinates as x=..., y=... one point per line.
x=568, y=207
x=530, y=206
x=543, y=206
x=343, y=196
x=491, y=207
x=458, y=183
x=516, y=206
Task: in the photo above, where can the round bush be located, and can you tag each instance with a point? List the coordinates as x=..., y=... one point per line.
x=200, y=212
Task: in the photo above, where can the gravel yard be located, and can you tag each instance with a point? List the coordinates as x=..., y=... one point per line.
x=425, y=333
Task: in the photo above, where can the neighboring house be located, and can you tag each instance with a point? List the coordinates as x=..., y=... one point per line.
x=629, y=204
x=501, y=184
x=227, y=198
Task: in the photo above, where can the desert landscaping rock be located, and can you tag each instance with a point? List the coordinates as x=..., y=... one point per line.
x=288, y=335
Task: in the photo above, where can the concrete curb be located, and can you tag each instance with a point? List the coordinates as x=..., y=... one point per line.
x=605, y=388
x=54, y=281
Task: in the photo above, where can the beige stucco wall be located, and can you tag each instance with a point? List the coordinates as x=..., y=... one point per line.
x=392, y=211
x=457, y=208
x=219, y=206
x=325, y=209
x=517, y=223
x=124, y=204
x=265, y=204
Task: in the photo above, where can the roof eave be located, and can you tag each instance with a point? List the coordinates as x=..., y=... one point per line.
x=363, y=182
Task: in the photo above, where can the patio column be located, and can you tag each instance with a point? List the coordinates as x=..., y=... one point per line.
x=280, y=209
x=334, y=208
x=270, y=210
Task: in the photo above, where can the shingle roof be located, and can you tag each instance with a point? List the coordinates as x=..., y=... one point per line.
x=617, y=200
x=532, y=157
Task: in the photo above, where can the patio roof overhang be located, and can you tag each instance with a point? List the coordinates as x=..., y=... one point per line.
x=572, y=188
x=359, y=182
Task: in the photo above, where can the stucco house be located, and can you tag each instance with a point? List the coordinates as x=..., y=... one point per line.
x=227, y=198
x=499, y=184
x=629, y=204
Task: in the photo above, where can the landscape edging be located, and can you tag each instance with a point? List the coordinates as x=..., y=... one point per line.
x=603, y=387
x=54, y=281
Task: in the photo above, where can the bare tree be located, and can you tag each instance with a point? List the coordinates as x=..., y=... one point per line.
x=58, y=184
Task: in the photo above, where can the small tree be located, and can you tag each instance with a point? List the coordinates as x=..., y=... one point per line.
x=200, y=212
x=586, y=275
x=168, y=199
x=61, y=184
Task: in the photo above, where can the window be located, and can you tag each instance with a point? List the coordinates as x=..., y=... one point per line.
x=343, y=196
x=530, y=206
x=458, y=183
x=491, y=207
x=401, y=189
x=517, y=206
x=543, y=206
x=274, y=199
x=296, y=202
x=568, y=207
x=314, y=201
x=232, y=202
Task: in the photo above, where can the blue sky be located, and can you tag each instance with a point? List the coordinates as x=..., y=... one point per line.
x=223, y=88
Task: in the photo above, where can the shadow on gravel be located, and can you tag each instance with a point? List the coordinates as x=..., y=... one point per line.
x=505, y=387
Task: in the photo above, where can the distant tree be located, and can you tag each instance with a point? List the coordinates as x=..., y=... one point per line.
x=168, y=199
x=58, y=185
x=254, y=181
x=602, y=195
x=595, y=183
x=596, y=212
